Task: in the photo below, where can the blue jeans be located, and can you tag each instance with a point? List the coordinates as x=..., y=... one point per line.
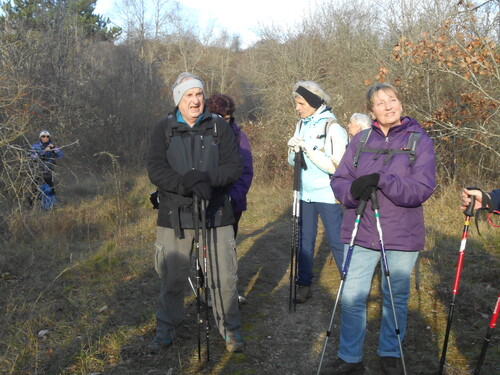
x=331, y=216
x=355, y=292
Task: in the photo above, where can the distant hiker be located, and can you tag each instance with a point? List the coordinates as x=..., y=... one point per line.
x=358, y=122
x=403, y=183
x=323, y=142
x=194, y=153
x=489, y=200
x=223, y=105
x=44, y=154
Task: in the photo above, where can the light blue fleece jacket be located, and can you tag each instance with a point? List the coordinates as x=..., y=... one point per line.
x=315, y=182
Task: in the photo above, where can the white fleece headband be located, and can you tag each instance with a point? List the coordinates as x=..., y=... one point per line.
x=181, y=88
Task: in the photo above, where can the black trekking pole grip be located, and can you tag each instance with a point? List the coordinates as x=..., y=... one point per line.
x=360, y=210
x=374, y=198
x=298, y=160
x=469, y=211
x=196, y=217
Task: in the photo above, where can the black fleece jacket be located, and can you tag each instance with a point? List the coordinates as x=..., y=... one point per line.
x=168, y=178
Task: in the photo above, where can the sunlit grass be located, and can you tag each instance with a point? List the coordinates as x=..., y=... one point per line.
x=71, y=272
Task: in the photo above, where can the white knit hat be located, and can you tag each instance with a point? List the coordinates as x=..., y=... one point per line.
x=44, y=132
x=187, y=81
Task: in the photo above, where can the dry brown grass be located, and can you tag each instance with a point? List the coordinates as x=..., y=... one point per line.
x=84, y=273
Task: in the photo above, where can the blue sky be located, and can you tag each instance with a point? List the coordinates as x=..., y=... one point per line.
x=236, y=16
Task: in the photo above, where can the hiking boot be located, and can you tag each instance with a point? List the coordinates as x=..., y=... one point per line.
x=391, y=366
x=158, y=344
x=234, y=343
x=340, y=367
x=303, y=294
x=242, y=300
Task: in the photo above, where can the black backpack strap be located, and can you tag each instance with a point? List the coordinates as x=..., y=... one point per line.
x=169, y=129
x=215, y=133
x=365, y=134
x=412, y=146
x=410, y=149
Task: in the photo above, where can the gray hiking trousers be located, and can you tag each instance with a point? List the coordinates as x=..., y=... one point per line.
x=173, y=265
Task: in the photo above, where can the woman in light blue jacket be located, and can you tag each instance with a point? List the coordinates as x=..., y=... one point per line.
x=323, y=142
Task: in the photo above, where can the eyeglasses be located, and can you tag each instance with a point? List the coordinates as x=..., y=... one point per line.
x=45, y=136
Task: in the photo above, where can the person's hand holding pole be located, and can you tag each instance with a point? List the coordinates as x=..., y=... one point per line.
x=466, y=198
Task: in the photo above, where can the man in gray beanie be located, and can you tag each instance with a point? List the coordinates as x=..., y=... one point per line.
x=193, y=157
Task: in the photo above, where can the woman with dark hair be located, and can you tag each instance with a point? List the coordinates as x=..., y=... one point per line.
x=223, y=105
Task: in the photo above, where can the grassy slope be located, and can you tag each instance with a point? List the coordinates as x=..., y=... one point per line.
x=84, y=273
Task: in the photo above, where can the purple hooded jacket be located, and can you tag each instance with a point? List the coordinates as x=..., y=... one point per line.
x=239, y=190
x=401, y=189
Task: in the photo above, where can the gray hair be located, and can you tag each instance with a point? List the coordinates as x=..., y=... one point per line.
x=362, y=120
x=314, y=88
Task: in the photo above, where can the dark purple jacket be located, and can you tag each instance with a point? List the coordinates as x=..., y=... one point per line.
x=402, y=189
x=239, y=190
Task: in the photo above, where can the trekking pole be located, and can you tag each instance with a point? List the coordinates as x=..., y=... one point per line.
x=295, y=242
x=492, y=325
x=383, y=259
x=417, y=275
x=197, y=242
x=359, y=213
x=469, y=212
x=205, y=272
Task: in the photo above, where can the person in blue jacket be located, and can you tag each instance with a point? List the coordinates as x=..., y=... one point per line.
x=401, y=187
x=44, y=154
x=323, y=142
x=489, y=200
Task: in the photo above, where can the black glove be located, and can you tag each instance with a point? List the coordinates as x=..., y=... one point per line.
x=194, y=177
x=486, y=202
x=367, y=193
x=155, y=201
x=360, y=185
x=202, y=190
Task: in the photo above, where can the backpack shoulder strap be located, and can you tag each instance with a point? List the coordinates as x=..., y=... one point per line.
x=215, y=133
x=365, y=134
x=169, y=129
x=412, y=146
x=328, y=123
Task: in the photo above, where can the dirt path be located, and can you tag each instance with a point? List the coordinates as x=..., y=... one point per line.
x=279, y=342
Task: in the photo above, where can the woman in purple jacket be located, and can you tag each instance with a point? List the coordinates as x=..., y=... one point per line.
x=401, y=189
x=223, y=105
